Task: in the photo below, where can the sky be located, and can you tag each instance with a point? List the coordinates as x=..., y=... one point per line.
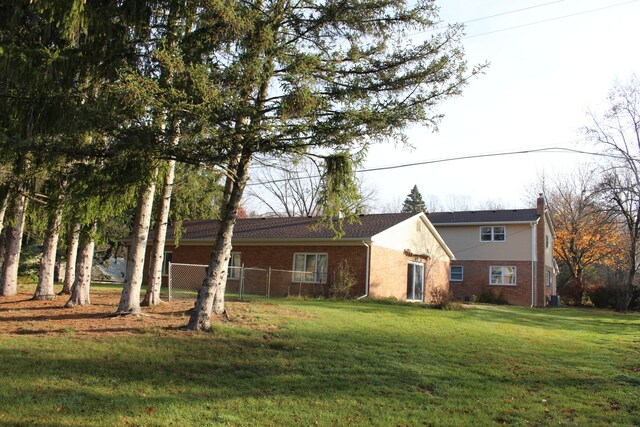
x=550, y=63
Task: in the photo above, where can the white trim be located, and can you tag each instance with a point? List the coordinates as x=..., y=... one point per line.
x=502, y=267
x=237, y=269
x=323, y=278
x=493, y=234
x=421, y=264
x=461, y=279
x=366, y=272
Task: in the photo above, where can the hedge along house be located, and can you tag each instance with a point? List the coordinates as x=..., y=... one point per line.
x=391, y=255
x=508, y=252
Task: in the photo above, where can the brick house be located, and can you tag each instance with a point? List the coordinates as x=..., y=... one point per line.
x=392, y=255
x=509, y=252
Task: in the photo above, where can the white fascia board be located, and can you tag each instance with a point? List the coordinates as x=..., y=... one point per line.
x=458, y=224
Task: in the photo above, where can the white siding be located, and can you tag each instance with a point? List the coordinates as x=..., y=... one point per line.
x=413, y=235
x=464, y=242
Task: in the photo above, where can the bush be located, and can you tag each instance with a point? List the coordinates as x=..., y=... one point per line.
x=441, y=298
x=487, y=296
x=343, y=280
x=602, y=295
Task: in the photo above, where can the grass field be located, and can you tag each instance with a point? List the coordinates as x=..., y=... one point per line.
x=310, y=362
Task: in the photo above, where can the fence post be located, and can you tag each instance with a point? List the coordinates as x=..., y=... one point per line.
x=169, y=281
x=269, y=283
x=241, y=290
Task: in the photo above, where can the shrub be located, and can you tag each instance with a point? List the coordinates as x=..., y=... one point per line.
x=601, y=295
x=343, y=280
x=441, y=298
x=487, y=296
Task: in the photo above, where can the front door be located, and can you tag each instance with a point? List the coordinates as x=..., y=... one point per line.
x=415, y=282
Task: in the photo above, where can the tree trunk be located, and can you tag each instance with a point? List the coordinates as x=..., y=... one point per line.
x=152, y=296
x=72, y=254
x=9, y=276
x=44, y=290
x=82, y=283
x=130, y=298
x=3, y=210
x=211, y=294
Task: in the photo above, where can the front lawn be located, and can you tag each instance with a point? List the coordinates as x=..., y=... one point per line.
x=307, y=362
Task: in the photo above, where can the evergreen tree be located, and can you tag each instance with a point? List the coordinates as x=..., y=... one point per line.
x=322, y=77
x=413, y=203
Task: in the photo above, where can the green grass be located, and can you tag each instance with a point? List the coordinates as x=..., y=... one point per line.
x=307, y=362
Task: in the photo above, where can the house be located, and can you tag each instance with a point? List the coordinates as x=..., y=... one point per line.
x=508, y=252
x=392, y=255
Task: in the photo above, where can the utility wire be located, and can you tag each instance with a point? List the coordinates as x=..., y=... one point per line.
x=528, y=24
x=456, y=158
x=490, y=16
x=551, y=19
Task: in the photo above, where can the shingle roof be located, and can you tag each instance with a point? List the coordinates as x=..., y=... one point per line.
x=288, y=228
x=492, y=216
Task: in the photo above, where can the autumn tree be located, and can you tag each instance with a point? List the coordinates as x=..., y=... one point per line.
x=586, y=234
x=326, y=76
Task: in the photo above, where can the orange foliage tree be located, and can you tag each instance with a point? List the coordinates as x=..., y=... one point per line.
x=586, y=234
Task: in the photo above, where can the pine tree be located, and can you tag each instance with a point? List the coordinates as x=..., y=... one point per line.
x=413, y=203
x=323, y=76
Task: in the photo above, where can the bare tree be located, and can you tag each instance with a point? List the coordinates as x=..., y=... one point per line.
x=617, y=131
x=291, y=187
x=457, y=202
x=287, y=187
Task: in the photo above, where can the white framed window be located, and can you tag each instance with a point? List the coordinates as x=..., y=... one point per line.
x=493, y=233
x=168, y=258
x=456, y=273
x=235, y=265
x=546, y=241
x=548, y=279
x=415, y=282
x=310, y=267
x=502, y=275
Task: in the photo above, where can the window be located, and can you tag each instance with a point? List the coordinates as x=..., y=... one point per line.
x=546, y=241
x=310, y=268
x=502, y=275
x=415, y=282
x=456, y=273
x=548, y=281
x=233, y=272
x=494, y=233
x=168, y=257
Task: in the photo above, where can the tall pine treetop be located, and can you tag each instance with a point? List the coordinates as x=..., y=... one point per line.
x=413, y=203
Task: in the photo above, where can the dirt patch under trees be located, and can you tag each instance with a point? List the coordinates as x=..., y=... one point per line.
x=19, y=314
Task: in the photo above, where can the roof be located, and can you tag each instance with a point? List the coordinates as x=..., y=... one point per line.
x=483, y=217
x=297, y=228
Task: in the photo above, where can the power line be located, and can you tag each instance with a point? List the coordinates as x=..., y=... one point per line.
x=456, y=158
x=551, y=19
x=527, y=24
x=492, y=16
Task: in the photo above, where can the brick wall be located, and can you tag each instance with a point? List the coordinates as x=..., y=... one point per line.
x=279, y=258
x=389, y=274
x=476, y=279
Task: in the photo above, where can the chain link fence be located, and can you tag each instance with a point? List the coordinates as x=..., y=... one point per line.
x=185, y=281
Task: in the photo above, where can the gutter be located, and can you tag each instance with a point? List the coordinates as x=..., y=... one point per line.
x=366, y=272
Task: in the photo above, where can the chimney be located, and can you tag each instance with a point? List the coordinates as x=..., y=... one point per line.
x=540, y=204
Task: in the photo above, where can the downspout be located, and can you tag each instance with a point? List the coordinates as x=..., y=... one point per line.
x=366, y=272
x=533, y=262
